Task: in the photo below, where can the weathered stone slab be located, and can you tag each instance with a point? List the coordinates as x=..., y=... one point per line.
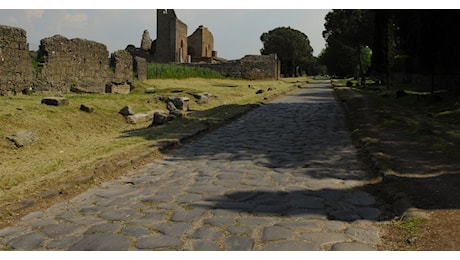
x=55, y=101
x=28, y=241
x=140, y=118
x=23, y=138
x=293, y=245
x=238, y=243
x=158, y=242
x=204, y=245
x=352, y=246
x=103, y=242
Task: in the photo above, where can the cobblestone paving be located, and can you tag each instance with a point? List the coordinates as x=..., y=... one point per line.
x=285, y=176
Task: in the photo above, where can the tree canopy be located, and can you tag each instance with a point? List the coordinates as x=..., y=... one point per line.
x=404, y=41
x=292, y=47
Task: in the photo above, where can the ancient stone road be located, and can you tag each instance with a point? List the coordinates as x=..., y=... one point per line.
x=285, y=176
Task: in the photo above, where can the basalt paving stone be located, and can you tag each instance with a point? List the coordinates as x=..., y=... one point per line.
x=29, y=241
x=364, y=235
x=291, y=245
x=324, y=238
x=104, y=228
x=352, y=246
x=276, y=233
x=187, y=215
x=119, y=214
x=60, y=229
x=208, y=232
x=157, y=242
x=62, y=243
x=172, y=229
x=303, y=225
x=102, y=242
x=204, y=245
x=11, y=230
x=136, y=231
x=238, y=243
x=219, y=221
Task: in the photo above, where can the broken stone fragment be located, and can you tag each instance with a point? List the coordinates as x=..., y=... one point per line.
x=126, y=111
x=23, y=138
x=86, y=108
x=160, y=118
x=181, y=103
x=55, y=101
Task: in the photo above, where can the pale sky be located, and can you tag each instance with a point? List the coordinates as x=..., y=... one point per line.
x=235, y=25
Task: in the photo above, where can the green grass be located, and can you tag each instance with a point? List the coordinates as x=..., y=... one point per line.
x=173, y=71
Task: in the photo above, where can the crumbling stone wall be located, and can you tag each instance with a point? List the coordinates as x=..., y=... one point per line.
x=140, y=68
x=73, y=63
x=252, y=67
x=16, y=69
x=122, y=63
x=201, y=44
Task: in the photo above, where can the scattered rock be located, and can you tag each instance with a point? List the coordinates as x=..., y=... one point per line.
x=23, y=138
x=55, y=101
x=86, y=108
x=126, y=111
x=118, y=88
x=170, y=106
x=178, y=113
x=160, y=118
x=260, y=91
x=140, y=118
x=181, y=103
x=150, y=90
x=201, y=98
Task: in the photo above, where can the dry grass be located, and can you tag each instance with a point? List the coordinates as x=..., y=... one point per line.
x=70, y=142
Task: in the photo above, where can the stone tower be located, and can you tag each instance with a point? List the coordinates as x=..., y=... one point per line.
x=201, y=44
x=171, y=42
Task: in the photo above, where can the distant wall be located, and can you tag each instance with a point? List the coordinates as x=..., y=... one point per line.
x=16, y=70
x=252, y=67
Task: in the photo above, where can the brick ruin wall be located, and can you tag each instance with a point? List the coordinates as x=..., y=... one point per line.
x=61, y=64
x=16, y=70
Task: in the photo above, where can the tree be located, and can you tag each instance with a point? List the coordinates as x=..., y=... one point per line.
x=348, y=32
x=292, y=47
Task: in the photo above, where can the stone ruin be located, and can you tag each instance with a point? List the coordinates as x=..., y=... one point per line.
x=16, y=70
x=84, y=66
x=61, y=65
x=173, y=46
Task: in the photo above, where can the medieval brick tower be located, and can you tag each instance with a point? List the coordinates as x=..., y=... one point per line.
x=171, y=42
